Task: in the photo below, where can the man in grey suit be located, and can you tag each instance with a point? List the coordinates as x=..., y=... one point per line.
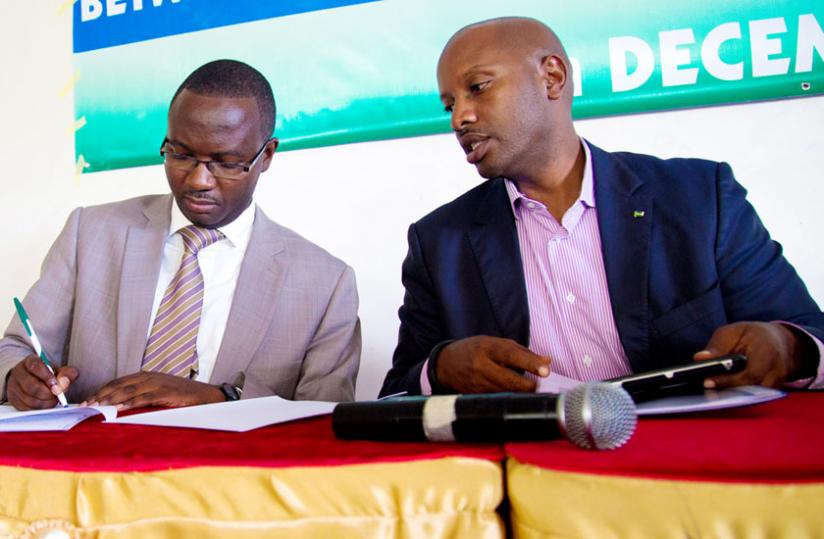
x=265, y=313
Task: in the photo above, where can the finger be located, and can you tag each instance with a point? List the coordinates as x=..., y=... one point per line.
x=743, y=378
x=514, y=355
x=100, y=394
x=26, y=401
x=499, y=378
x=125, y=392
x=150, y=398
x=724, y=340
x=65, y=376
x=116, y=385
x=69, y=373
x=36, y=368
x=32, y=386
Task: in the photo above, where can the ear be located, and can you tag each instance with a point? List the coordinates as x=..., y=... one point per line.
x=271, y=146
x=554, y=72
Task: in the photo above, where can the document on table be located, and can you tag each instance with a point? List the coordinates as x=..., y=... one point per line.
x=12, y=420
x=236, y=416
x=710, y=399
x=556, y=383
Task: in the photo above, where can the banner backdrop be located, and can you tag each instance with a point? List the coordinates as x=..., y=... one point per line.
x=350, y=71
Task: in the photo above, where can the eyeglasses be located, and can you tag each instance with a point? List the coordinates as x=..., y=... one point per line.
x=218, y=169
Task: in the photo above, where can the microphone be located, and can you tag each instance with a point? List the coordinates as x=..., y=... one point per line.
x=592, y=416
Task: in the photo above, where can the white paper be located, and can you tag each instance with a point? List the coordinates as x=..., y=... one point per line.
x=12, y=420
x=709, y=400
x=235, y=416
x=556, y=383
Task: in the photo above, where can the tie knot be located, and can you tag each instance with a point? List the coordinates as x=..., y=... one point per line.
x=196, y=238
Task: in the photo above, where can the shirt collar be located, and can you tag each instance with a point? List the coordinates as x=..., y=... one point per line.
x=587, y=196
x=237, y=232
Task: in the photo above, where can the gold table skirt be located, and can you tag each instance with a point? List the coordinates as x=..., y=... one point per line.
x=446, y=497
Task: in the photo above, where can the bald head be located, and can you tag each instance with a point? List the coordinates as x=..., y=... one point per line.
x=521, y=39
x=508, y=88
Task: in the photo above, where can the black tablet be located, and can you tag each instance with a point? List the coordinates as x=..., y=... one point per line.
x=678, y=380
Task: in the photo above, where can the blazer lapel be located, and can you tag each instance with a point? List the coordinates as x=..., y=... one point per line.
x=142, y=255
x=254, y=302
x=625, y=213
x=494, y=242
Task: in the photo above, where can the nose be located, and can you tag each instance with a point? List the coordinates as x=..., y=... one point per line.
x=463, y=114
x=200, y=178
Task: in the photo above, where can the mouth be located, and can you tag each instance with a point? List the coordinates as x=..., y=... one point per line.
x=198, y=204
x=474, y=146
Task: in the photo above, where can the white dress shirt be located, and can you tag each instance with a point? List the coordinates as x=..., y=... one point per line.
x=220, y=266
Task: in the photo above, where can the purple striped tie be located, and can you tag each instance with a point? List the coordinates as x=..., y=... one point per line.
x=172, y=345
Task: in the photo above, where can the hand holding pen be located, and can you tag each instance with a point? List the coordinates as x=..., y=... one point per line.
x=32, y=383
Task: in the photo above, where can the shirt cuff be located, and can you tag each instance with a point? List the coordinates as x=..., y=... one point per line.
x=809, y=383
x=428, y=380
x=426, y=387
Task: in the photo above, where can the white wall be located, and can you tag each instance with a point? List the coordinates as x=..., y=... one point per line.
x=357, y=200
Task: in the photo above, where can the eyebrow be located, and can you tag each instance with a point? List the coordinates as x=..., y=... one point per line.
x=471, y=71
x=477, y=67
x=179, y=145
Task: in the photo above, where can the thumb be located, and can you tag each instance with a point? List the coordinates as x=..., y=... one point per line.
x=706, y=353
x=722, y=342
x=66, y=376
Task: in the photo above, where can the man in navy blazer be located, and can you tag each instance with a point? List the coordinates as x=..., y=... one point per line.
x=690, y=271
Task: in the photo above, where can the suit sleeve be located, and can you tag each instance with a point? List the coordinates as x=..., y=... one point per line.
x=49, y=303
x=330, y=365
x=757, y=282
x=420, y=329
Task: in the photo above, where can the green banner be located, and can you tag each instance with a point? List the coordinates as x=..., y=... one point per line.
x=351, y=73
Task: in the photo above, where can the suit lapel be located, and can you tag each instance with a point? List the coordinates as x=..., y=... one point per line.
x=625, y=213
x=254, y=302
x=494, y=242
x=142, y=255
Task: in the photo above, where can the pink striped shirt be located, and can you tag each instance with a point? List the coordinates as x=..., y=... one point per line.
x=570, y=313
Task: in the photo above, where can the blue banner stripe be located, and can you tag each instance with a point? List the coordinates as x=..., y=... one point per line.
x=106, y=23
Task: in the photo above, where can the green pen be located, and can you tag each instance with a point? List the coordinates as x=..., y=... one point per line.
x=24, y=318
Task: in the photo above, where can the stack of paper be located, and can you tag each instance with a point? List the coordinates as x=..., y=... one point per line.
x=237, y=416
x=708, y=400
x=61, y=418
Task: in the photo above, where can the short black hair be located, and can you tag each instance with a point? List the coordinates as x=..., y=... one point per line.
x=231, y=78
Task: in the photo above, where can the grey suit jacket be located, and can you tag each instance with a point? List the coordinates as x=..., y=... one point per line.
x=293, y=328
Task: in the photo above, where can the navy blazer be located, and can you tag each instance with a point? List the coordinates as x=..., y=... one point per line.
x=684, y=253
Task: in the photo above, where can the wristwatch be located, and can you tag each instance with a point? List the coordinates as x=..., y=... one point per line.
x=431, y=370
x=232, y=393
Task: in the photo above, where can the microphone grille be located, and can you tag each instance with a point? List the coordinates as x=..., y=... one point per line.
x=598, y=415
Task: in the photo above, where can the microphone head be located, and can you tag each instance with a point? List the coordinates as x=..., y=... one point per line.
x=597, y=415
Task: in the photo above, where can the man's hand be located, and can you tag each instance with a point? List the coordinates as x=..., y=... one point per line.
x=484, y=364
x=154, y=389
x=31, y=386
x=775, y=354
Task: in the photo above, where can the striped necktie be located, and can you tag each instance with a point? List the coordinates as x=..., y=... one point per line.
x=172, y=345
